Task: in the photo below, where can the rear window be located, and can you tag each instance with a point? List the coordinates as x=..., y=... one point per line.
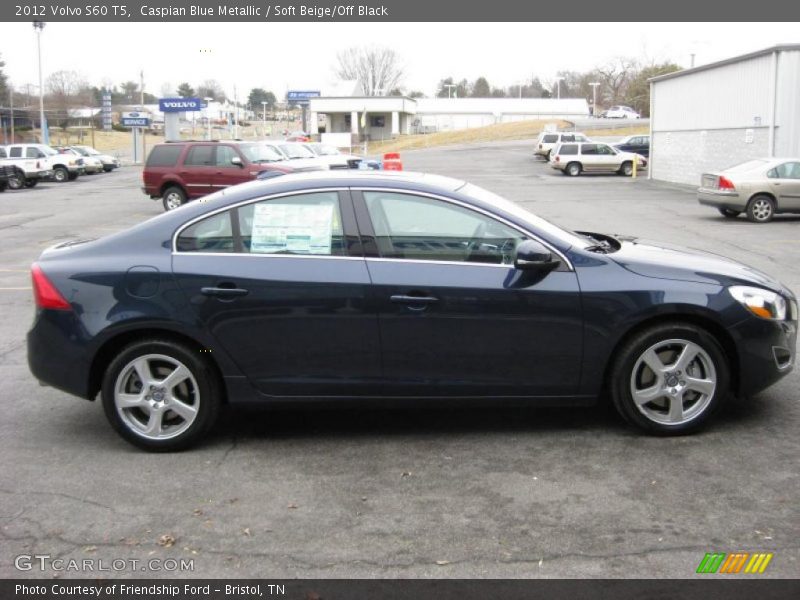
x=213, y=234
x=164, y=156
x=2, y=152
x=550, y=138
x=568, y=149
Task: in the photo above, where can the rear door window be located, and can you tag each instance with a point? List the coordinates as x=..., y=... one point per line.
x=550, y=138
x=16, y=152
x=568, y=149
x=213, y=234
x=200, y=156
x=590, y=149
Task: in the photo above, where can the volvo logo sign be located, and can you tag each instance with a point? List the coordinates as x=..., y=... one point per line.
x=168, y=105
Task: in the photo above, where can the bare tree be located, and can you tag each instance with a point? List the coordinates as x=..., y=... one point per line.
x=66, y=90
x=377, y=69
x=211, y=88
x=615, y=76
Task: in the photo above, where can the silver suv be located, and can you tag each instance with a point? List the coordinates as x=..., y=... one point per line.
x=550, y=139
x=574, y=159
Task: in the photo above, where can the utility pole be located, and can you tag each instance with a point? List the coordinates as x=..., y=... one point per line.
x=594, y=85
x=38, y=26
x=11, y=105
x=264, y=117
x=235, y=114
x=692, y=64
x=141, y=101
x=558, y=87
x=449, y=87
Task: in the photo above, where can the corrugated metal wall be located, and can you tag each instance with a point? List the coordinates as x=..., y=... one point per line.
x=734, y=95
x=787, y=135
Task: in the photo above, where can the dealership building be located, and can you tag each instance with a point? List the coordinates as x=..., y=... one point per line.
x=720, y=114
x=383, y=117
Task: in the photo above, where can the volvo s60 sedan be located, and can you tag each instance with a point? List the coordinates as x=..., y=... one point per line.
x=375, y=286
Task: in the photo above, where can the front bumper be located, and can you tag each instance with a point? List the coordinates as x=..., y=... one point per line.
x=721, y=199
x=767, y=352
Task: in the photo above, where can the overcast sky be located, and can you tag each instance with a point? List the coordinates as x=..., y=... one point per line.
x=277, y=56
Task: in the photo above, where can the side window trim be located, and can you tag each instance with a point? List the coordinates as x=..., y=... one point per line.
x=367, y=231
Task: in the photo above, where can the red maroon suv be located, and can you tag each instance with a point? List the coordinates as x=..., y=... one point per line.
x=180, y=171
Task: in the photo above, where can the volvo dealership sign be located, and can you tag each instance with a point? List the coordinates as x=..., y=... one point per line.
x=172, y=105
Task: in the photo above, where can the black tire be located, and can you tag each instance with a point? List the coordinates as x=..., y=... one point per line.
x=728, y=213
x=573, y=169
x=60, y=174
x=173, y=197
x=760, y=209
x=626, y=169
x=30, y=183
x=207, y=399
x=72, y=176
x=627, y=367
x=108, y=168
x=16, y=182
x=3, y=186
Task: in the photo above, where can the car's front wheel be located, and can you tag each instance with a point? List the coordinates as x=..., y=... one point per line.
x=760, y=209
x=60, y=174
x=626, y=169
x=670, y=378
x=573, y=169
x=161, y=395
x=729, y=213
x=173, y=197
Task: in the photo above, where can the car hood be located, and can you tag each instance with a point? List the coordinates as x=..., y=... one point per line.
x=666, y=261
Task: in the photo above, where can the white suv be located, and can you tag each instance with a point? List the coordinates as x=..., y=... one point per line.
x=64, y=166
x=574, y=159
x=550, y=139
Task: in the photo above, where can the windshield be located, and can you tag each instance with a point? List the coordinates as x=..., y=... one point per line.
x=261, y=153
x=81, y=151
x=511, y=208
x=327, y=150
x=296, y=151
x=87, y=150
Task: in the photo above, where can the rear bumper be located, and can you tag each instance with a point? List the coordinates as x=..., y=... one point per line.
x=721, y=199
x=55, y=357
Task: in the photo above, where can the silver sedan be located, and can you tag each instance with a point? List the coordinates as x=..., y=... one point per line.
x=760, y=188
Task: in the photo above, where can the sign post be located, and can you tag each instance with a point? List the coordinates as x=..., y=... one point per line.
x=138, y=122
x=301, y=98
x=172, y=109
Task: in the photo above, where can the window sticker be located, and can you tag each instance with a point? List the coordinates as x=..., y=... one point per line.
x=292, y=228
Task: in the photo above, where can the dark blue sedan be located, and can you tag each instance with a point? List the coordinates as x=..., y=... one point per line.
x=377, y=286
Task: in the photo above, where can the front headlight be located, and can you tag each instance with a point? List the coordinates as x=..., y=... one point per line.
x=760, y=302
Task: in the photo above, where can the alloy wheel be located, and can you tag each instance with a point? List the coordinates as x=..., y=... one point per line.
x=673, y=382
x=157, y=397
x=762, y=209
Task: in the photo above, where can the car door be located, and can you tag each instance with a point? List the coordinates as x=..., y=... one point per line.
x=590, y=160
x=282, y=285
x=787, y=186
x=197, y=170
x=606, y=158
x=228, y=172
x=456, y=318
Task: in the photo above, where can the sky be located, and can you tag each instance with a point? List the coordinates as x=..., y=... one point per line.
x=281, y=56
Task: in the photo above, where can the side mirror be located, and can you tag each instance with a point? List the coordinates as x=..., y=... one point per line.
x=533, y=256
x=237, y=161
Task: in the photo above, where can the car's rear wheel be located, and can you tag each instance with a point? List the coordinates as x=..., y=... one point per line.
x=173, y=197
x=626, y=169
x=728, y=213
x=60, y=174
x=669, y=379
x=72, y=176
x=16, y=182
x=573, y=169
x=760, y=209
x=161, y=395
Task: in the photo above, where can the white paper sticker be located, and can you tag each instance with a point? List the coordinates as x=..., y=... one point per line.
x=292, y=228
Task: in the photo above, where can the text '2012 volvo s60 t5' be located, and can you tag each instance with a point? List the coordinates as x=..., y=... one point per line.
x=375, y=286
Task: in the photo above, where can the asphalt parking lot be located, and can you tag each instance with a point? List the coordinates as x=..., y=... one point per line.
x=404, y=493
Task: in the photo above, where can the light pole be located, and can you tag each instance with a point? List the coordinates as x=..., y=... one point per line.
x=208, y=116
x=594, y=85
x=558, y=87
x=449, y=87
x=38, y=26
x=264, y=116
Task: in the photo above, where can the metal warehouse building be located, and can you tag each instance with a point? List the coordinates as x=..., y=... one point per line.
x=717, y=115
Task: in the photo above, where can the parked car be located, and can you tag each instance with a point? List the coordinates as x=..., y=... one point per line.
x=550, y=139
x=333, y=156
x=621, y=112
x=91, y=165
x=298, y=156
x=298, y=136
x=10, y=173
x=65, y=167
x=638, y=144
x=26, y=172
x=377, y=287
x=177, y=172
x=759, y=188
x=574, y=159
x=109, y=162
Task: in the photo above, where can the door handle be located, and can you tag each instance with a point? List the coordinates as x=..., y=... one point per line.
x=403, y=299
x=224, y=292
